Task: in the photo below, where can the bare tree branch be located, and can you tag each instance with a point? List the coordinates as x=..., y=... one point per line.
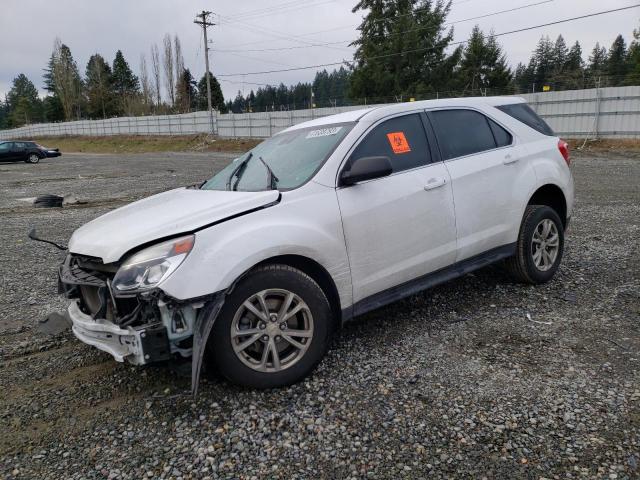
x=168, y=64
x=144, y=81
x=155, y=65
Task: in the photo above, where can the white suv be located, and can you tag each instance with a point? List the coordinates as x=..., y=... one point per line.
x=320, y=223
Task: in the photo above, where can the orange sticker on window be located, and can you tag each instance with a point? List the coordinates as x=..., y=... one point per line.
x=398, y=142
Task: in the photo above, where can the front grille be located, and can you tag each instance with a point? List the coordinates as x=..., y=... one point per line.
x=88, y=279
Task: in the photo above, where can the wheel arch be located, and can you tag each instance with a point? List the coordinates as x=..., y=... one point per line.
x=552, y=196
x=317, y=272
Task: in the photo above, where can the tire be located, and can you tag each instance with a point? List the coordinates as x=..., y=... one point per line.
x=48, y=201
x=527, y=265
x=278, y=285
x=33, y=158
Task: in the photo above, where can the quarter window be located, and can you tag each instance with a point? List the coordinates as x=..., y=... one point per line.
x=402, y=139
x=525, y=114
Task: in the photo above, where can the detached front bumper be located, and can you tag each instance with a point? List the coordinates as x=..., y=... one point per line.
x=135, y=345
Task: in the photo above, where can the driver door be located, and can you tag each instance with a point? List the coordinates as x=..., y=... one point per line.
x=400, y=227
x=6, y=154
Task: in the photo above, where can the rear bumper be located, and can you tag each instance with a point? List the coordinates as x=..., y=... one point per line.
x=135, y=345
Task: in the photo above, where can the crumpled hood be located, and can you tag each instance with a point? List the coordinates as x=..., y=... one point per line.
x=183, y=210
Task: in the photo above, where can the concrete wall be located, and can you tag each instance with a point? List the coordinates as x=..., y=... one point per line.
x=607, y=113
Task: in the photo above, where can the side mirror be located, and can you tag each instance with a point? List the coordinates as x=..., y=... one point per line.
x=366, y=168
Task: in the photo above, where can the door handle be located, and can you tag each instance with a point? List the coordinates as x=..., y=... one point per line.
x=508, y=158
x=434, y=183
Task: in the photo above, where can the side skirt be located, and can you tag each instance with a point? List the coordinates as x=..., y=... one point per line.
x=427, y=281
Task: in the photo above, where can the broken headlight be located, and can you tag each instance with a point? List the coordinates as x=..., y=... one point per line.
x=147, y=268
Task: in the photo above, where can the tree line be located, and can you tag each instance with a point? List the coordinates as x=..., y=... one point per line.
x=109, y=89
x=405, y=50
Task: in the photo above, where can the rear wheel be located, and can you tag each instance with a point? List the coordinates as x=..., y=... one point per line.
x=539, y=247
x=33, y=158
x=273, y=329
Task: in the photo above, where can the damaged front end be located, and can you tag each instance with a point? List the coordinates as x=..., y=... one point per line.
x=139, y=326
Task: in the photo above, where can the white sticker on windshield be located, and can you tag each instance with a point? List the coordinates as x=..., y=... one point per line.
x=324, y=132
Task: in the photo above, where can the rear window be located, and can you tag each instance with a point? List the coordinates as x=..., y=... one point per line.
x=525, y=114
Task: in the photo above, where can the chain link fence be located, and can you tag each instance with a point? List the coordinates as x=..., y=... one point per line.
x=612, y=112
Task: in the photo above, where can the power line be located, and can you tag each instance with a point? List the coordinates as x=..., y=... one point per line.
x=522, y=7
x=572, y=19
x=286, y=8
x=272, y=33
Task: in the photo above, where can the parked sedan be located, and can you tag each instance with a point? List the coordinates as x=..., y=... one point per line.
x=29, y=152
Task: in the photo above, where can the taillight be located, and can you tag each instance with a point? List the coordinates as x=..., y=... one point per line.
x=564, y=150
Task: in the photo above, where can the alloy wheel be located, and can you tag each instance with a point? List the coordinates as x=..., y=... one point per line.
x=545, y=245
x=272, y=330
x=33, y=158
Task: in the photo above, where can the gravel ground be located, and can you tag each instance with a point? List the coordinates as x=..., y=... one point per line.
x=476, y=378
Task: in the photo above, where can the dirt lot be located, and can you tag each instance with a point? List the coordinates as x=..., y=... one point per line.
x=476, y=378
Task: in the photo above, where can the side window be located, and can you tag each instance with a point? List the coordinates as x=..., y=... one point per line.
x=5, y=146
x=402, y=139
x=19, y=145
x=503, y=138
x=462, y=132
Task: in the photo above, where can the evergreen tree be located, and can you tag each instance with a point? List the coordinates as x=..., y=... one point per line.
x=597, y=63
x=574, y=58
x=217, y=99
x=573, y=73
x=617, y=62
x=186, y=92
x=633, y=59
x=238, y=104
x=559, y=56
x=99, y=89
x=544, y=61
x=339, y=90
x=402, y=48
x=22, y=102
x=4, y=115
x=125, y=84
x=62, y=78
x=483, y=64
x=53, y=111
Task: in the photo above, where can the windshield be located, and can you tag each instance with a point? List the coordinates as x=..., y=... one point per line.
x=285, y=161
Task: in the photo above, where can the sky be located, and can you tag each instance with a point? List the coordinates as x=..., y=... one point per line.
x=264, y=35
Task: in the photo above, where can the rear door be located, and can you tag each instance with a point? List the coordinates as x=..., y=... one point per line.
x=19, y=151
x=485, y=162
x=399, y=227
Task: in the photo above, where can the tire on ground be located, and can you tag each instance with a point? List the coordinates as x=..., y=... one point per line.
x=274, y=276
x=521, y=265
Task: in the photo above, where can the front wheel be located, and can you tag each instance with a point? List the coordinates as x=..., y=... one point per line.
x=539, y=247
x=273, y=328
x=33, y=158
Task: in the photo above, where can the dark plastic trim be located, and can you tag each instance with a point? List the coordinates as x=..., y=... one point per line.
x=427, y=281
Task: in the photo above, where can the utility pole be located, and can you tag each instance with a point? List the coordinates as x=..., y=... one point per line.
x=203, y=21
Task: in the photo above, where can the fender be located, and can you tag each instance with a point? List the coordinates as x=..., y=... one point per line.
x=225, y=251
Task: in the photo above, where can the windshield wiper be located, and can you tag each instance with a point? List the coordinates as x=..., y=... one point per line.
x=239, y=171
x=272, y=179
